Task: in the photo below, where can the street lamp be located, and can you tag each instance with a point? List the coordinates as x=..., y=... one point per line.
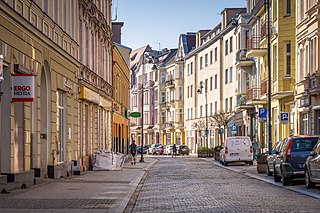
x=199, y=91
x=269, y=77
x=141, y=87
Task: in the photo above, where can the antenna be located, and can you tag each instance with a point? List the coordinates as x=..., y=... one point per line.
x=159, y=45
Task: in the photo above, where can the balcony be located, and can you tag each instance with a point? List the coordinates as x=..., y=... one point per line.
x=170, y=84
x=242, y=60
x=311, y=83
x=254, y=49
x=254, y=95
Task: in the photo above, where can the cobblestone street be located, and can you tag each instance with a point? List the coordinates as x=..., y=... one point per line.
x=194, y=185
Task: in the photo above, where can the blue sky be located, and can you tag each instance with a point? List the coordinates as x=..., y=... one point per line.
x=162, y=21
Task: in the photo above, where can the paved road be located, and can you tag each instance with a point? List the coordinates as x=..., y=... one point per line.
x=185, y=184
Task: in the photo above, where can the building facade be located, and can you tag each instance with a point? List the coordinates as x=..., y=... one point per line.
x=39, y=39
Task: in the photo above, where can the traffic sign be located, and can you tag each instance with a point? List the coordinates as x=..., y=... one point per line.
x=262, y=114
x=135, y=114
x=284, y=117
x=234, y=127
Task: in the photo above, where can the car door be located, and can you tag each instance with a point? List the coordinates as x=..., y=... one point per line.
x=279, y=157
x=314, y=163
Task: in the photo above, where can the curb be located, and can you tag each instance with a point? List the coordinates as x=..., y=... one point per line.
x=125, y=206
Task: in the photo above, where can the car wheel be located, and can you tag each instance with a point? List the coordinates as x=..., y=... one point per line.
x=308, y=182
x=269, y=173
x=285, y=180
x=275, y=176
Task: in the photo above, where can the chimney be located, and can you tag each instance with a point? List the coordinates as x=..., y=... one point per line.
x=116, y=30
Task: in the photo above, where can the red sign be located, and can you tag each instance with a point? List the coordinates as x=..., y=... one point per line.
x=22, y=87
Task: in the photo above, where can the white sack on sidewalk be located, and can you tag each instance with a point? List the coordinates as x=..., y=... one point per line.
x=118, y=160
x=102, y=161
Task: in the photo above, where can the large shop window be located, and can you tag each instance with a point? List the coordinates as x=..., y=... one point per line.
x=60, y=126
x=317, y=122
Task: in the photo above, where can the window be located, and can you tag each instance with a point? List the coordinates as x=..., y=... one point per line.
x=231, y=45
x=226, y=47
x=275, y=62
x=163, y=97
x=231, y=104
x=288, y=7
x=215, y=54
x=180, y=71
x=45, y=29
x=275, y=10
x=191, y=113
x=211, y=57
x=191, y=68
x=60, y=126
x=226, y=76
x=163, y=77
x=55, y=11
x=288, y=58
x=226, y=104
x=191, y=90
x=206, y=60
x=206, y=84
x=211, y=79
x=188, y=113
x=211, y=108
x=230, y=77
x=201, y=65
x=188, y=69
x=216, y=107
x=200, y=111
x=215, y=81
x=188, y=92
x=180, y=93
x=304, y=124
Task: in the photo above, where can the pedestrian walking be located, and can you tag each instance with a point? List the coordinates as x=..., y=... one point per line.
x=133, y=152
x=254, y=147
x=174, y=150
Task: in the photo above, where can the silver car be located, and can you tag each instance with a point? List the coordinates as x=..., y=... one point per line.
x=276, y=150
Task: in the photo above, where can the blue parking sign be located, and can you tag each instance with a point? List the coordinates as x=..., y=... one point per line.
x=234, y=128
x=262, y=113
x=284, y=117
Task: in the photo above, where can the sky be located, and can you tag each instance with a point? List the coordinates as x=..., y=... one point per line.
x=160, y=22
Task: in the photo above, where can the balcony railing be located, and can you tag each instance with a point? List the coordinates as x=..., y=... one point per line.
x=170, y=83
x=253, y=93
x=264, y=87
x=254, y=42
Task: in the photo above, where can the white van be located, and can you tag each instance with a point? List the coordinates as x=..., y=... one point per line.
x=237, y=149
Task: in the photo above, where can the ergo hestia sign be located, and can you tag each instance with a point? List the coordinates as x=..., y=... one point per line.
x=22, y=87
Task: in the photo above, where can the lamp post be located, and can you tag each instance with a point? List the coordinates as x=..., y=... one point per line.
x=199, y=91
x=269, y=78
x=141, y=85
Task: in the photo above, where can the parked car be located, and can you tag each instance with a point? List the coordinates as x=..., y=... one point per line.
x=289, y=164
x=312, y=167
x=183, y=150
x=145, y=149
x=152, y=148
x=160, y=150
x=237, y=149
x=169, y=149
x=276, y=150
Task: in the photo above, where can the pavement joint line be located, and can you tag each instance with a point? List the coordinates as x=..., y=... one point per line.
x=248, y=174
x=134, y=183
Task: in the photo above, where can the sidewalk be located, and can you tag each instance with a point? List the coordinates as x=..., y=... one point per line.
x=95, y=191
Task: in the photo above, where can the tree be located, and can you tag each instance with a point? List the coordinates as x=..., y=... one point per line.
x=221, y=119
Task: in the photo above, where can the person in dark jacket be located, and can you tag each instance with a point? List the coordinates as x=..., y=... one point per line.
x=133, y=152
x=174, y=150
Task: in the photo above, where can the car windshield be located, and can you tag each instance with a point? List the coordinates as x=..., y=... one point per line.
x=303, y=144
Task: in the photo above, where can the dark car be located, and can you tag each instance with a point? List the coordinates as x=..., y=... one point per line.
x=183, y=150
x=312, y=167
x=289, y=164
x=145, y=149
x=276, y=150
